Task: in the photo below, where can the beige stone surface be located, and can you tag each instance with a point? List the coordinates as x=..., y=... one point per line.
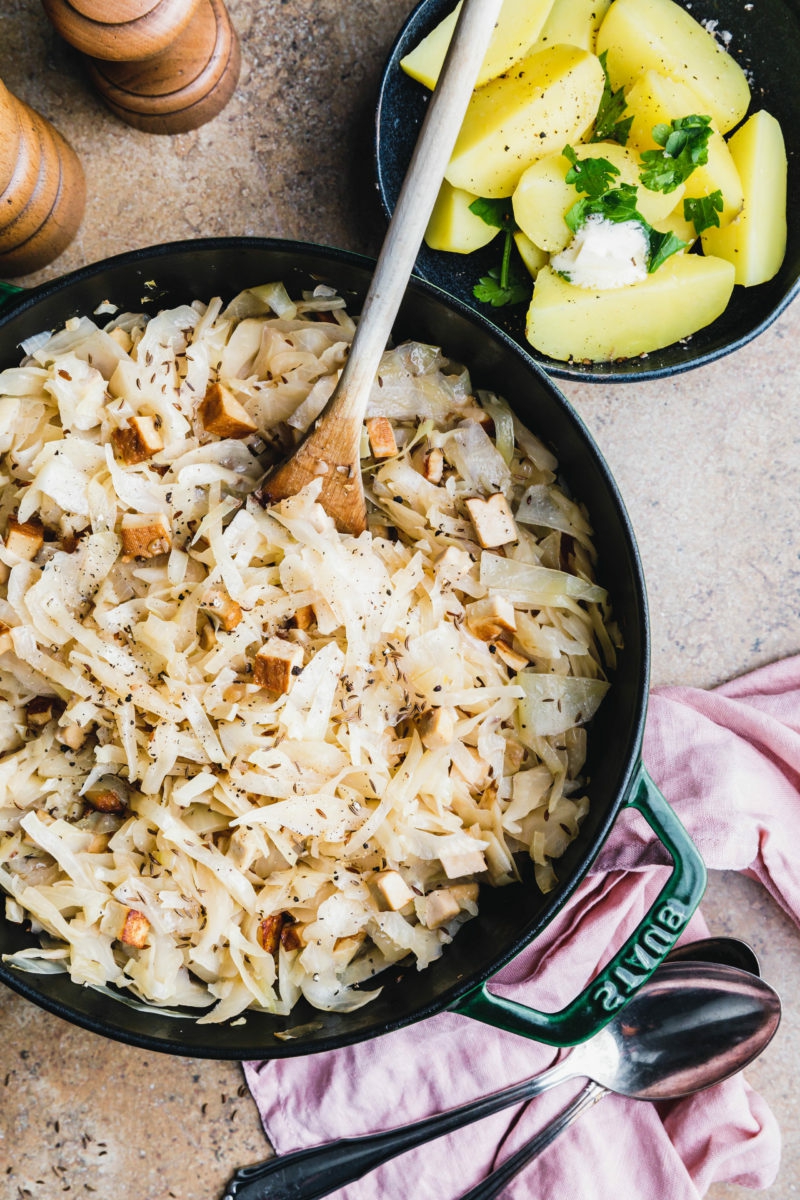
x=707, y=464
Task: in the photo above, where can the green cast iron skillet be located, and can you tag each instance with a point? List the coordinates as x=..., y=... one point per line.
x=510, y=917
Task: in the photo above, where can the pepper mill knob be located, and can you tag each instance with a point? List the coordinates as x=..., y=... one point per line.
x=156, y=83
x=42, y=189
x=120, y=30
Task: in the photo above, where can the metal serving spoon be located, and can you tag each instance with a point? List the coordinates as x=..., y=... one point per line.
x=676, y=1044
x=317, y=1171
x=330, y=451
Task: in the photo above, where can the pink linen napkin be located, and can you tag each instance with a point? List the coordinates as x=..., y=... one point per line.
x=728, y=760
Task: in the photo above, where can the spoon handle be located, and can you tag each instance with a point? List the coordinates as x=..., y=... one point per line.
x=415, y=202
x=495, y=1183
x=319, y=1170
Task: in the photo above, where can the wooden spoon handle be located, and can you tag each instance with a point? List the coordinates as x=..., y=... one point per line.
x=415, y=203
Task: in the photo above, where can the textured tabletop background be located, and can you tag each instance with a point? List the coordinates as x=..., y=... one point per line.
x=707, y=464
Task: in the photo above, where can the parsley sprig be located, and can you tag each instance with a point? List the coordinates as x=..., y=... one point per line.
x=702, y=210
x=684, y=146
x=505, y=284
x=609, y=124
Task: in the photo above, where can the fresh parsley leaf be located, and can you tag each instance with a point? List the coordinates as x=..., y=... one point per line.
x=590, y=175
x=608, y=127
x=702, y=210
x=497, y=213
x=684, y=146
x=506, y=284
x=662, y=247
x=493, y=292
x=617, y=204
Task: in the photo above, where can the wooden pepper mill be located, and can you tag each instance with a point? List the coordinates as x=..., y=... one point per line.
x=42, y=189
x=163, y=66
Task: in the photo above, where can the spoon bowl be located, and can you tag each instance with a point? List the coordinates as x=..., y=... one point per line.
x=692, y=1026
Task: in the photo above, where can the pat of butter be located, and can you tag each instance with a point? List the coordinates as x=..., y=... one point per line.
x=604, y=254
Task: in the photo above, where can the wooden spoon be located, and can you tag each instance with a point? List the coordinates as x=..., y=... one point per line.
x=330, y=450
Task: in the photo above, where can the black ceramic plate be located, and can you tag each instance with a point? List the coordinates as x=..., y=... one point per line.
x=766, y=41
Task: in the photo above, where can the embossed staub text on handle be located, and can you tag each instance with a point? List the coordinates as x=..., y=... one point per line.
x=666, y=924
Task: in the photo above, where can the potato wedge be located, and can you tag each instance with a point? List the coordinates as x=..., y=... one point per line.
x=676, y=223
x=655, y=100
x=659, y=35
x=756, y=241
x=533, y=258
x=549, y=99
x=543, y=196
x=685, y=294
x=518, y=27
x=573, y=23
x=453, y=227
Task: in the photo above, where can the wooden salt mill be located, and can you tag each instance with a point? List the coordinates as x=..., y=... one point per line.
x=163, y=66
x=42, y=189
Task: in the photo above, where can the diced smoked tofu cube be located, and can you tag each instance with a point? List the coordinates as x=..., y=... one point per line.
x=6, y=641
x=437, y=727
x=138, y=440
x=440, y=907
x=514, y=661
x=276, y=664
x=492, y=519
x=466, y=862
x=24, y=538
x=433, y=467
x=392, y=890
x=122, y=338
x=218, y=605
x=381, y=437
x=464, y=893
x=302, y=618
x=269, y=932
x=346, y=948
x=135, y=929
x=490, y=618
x=222, y=414
x=145, y=535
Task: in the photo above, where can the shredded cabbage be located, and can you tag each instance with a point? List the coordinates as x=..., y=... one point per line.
x=177, y=827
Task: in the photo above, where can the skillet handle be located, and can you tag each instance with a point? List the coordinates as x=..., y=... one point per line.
x=8, y=291
x=634, y=963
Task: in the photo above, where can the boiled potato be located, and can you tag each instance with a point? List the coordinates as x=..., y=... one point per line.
x=656, y=100
x=675, y=222
x=533, y=258
x=573, y=23
x=549, y=99
x=685, y=294
x=543, y=196
x=517, y=28
x=659, y=35
x=453, y=227
x=755, y=242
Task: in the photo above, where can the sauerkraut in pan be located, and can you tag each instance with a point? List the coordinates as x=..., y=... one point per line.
x=245, y=758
